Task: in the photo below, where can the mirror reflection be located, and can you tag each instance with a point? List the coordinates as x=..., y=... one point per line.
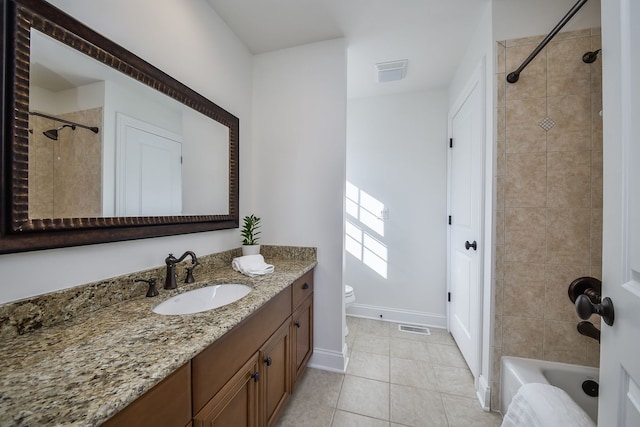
x=102, y=144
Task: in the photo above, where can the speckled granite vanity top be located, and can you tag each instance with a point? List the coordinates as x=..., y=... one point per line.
x=83, y=371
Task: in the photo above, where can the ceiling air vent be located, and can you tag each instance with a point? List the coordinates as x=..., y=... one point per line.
x=391, y=71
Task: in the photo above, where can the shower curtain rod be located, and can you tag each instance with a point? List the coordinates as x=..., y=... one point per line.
x=46, y=116
x=515, y=75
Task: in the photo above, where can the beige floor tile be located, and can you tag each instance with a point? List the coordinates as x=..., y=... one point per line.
x=413, y=373
x=463, y=412
x=300, y=412
x=369, y=365
x=365, y=397
x=458, y=381
x=416, y=407
x=446, y=355
x=394, y=332
x=347, y=419
x=409, y=349
x=352, y=324
x=372, y=344
x=373, y=327
x=440, y=336
x=319, y=386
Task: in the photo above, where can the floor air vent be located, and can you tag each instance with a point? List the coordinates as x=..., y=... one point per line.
x=414, y=329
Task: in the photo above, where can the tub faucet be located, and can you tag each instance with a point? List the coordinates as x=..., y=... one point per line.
x=171, y=261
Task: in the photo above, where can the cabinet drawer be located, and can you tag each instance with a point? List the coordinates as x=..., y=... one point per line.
x=302, y=288
x=214, y=366
x=166, y=404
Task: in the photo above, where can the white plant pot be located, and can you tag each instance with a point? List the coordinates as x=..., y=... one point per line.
x=250, y=249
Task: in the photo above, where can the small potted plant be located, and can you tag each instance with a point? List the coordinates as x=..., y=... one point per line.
x=249, y=233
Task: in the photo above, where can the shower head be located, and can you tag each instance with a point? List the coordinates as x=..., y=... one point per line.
x=590, y=57
x=53, y=133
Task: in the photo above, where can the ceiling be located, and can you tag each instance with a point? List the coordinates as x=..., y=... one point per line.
x=431, y=34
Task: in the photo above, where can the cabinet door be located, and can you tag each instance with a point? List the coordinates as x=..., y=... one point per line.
x=275, y=357
x=302, y=333
x=167, y=404
x=236, y=404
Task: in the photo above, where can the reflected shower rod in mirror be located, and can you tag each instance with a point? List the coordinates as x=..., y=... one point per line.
x=93, y=129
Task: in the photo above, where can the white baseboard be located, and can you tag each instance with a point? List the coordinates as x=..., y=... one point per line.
x=328, y=360
x=483, y=392
x=396, y=315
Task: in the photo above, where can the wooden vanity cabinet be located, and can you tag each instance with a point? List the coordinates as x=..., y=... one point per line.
x=168, y=404
x=236, y=404
x=275, y=378
x=244, y=378
x=302, y=338
x=301, y=324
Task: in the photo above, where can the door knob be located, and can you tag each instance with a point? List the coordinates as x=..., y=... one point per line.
x=473, y=245
x=585, y=308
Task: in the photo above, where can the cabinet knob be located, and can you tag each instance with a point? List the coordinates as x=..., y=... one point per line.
x=305, y=286
x=268, y=361
x=256, y=376
x=297, y=324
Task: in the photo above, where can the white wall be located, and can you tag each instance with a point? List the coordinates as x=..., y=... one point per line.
x=190, y=42
x=299, y=128
x=396, y=153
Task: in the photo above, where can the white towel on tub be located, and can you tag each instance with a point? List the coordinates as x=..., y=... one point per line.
x=251, y=265
x=543, y=405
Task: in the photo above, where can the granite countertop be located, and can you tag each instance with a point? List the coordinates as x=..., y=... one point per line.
x=84, y=371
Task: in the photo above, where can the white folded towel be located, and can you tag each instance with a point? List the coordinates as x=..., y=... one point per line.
x=251, y=265
x=543, y=405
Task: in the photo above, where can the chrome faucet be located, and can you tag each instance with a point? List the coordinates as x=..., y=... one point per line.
x=171, y=261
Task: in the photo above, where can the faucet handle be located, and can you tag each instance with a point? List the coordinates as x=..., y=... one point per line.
x=190, y=278
x=152, y=291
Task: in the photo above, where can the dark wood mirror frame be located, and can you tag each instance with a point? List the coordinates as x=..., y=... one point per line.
x=18, y=232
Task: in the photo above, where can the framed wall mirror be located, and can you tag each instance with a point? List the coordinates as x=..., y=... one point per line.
x=99, y=145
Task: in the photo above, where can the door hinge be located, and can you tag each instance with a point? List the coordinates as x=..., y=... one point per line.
x=449, y=219
x=448, y=296
x=450, y=142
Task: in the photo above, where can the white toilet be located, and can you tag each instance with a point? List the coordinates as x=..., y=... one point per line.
x=349, y=299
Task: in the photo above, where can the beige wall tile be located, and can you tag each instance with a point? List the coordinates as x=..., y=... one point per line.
x=533, y=41
x=564, y=35
x=525, y=239
x=532, y=82
x=522, y=337
x=501, y=132
x=497, y=331
x=500, y=57
x=596, y=237
x=499, y=218
x=567, y=74
x=498, y=297
x=523, y=132
x=500, y=186
x=563, y=343
x=558, y=305
x=569, y=179
x=526, y=180
x=501, y=89
x=524, y=290
x=572, y=131
x=568, y=236
x=596, y=179
x=593, y=353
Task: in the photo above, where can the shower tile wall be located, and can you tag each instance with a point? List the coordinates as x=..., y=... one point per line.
x=549, y=197
x=65, y=176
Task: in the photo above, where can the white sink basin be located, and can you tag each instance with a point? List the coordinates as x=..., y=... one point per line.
x=203, y=299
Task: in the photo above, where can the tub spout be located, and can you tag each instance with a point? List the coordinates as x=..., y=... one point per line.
x=588, y=329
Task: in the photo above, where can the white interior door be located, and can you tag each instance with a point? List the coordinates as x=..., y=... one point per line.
x=465, y=246
x=149, y=169
x=619, y=403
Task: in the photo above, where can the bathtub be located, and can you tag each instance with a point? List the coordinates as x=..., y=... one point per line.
x=516, y=371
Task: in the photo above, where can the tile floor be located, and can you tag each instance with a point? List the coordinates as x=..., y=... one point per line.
x=393, y=379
